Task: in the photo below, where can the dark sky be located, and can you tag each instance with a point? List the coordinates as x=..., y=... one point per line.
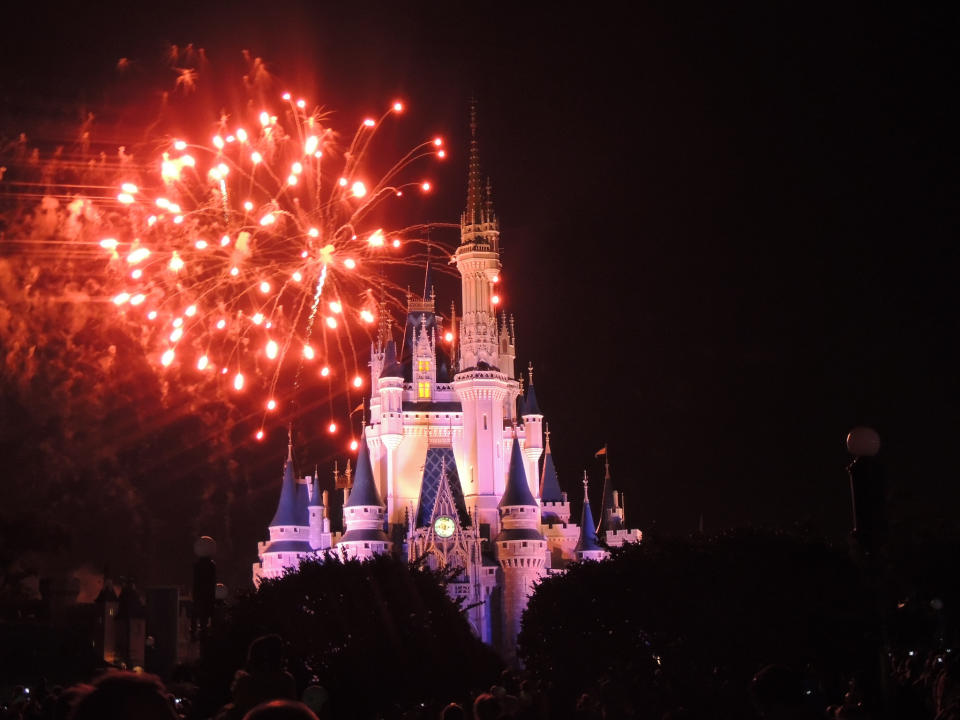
x=729, y=234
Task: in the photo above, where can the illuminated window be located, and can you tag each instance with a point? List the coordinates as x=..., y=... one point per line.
x=423, y=390
x=423, y=366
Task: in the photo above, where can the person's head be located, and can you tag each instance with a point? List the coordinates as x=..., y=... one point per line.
x=281, y=710
x=453, y=711
x=486, y=707
x=122, y=695
x=265, y=653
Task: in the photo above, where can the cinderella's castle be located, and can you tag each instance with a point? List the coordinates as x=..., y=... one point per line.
x=449, y=468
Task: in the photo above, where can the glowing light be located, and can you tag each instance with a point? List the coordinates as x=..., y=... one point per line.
x=310, y=146
x=366, y=316
x=151, y=220
x=324, y=371
x=357, y=381
x=301, y=104
x=268, y=219
x=221, y=324
x=166, y=358
x=178, y=219
x=358, y=189
x=297, y=277
x=350, y=263
x=336, y=307
x=264, y=287
x=241, y=135
x=272, y=349
x=201, y=244
x=137, y=274
x=190, y=311
x=495, y=299
x=296, y=168
x=177, y=322
x=398, y=107
x=308, y=352
x=331, y=323
x=176, y=335
x=125, y=198
x=179, y=145
x=137, y=299
x=441, y=154
x=108, y=244
x=248, y=206
x=396, y=242
x=218, y=142
x=332, y=428
x=187, y=160
x=138, y=255
x=162, y=203
x=271, y=404
x=234, y=271
x=202, y=362
x=264, y=118
x=238, y=381
x=354, y=445
x=448, y=336
x=438, y=141
x=425, y=186
x=225, y=240
x=129, y=188
x=169, y=170
x=376, y=239
x=230, y=138
x=121, y=298
x=496, y=278
x=259, y=435
x=256, y=157
x=342, y=181
x=286, y=96
x=313, y=232
x=258, y=319
x=369, y=122
x=292, y=180
x=152, y=315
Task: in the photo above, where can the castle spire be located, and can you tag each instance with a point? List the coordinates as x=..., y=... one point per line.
x=286, y=513
x=587, y=543
x=549, y=485
x=474, y=210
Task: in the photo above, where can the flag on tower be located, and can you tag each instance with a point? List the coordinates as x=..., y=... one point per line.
x=601, y=451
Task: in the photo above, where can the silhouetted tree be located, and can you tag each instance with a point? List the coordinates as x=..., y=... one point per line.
x=380, y=635
x=687, y=623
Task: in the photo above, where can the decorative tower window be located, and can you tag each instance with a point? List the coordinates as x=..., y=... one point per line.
x=423, y=366
x=423, y=390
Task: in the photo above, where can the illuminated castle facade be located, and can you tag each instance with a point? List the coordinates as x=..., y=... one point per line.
x=455, y=466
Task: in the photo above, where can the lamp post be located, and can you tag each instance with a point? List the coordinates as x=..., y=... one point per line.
x=867, y=488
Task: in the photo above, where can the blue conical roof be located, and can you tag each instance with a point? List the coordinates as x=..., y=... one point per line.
x=517, y=491
x=315, y=491
x=588, y=535
x=364, y=491
x=391, y=368
x=549, y=485
x=530, y=405
x=286, y=513
x=428, y=282
x=300, y=511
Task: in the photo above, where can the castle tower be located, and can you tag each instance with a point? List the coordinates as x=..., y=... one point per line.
x=107, y=605
x=521, y=549
x=290, y=533
x=587, y=546
x=483, y=385
x=320, y=535
x=613, y=522
x=363, y=514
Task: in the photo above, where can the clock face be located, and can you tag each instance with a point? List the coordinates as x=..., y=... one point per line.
x=444, y=526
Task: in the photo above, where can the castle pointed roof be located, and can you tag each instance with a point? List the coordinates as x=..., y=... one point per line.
x=588, y=535
x=391, y=367
x=549, y=485
x=530, y=405
x=286, y=513
x=364, y=491
x=475, y=204
x=428, y=282
x=316, y=496
x=517, y=491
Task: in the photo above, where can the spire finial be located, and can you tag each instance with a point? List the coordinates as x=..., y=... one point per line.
x=546, y=431
x=530, y=372
x=290, y=442
x=586, y=484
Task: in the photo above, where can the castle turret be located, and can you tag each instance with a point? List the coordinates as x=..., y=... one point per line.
x=320, y=536
x=107, y=605
x=390, y=387
x=587, y=546
x=554, y=506
x=613, y=522
x=521, y=548
x=363, y=514
x=533, y=434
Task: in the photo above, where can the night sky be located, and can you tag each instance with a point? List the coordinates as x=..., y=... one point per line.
x=729, y=234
